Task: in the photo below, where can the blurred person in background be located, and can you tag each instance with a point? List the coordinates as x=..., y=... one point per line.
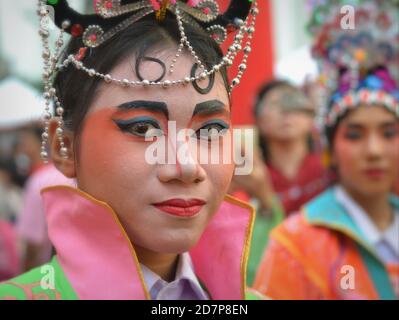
x=23, y=205
x=10, y=192
x=354, y=223
x=293, y=173
x=258, y=189
x=27, y=150
x=344, y=244
x=9, y=257
x=10, y=200
x=284, y=118
x=32, y=226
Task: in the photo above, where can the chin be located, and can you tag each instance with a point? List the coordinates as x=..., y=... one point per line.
x=178, y=245
x=372, y=189
x=287, y=136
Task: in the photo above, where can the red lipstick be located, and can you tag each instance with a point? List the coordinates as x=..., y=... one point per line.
x=374, y=173
x=180, y=207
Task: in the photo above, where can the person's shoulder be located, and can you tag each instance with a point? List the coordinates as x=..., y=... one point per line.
x=293, y=224
x=46, y=282
x=297, y=230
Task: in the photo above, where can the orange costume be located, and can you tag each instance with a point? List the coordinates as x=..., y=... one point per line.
x=321, y=253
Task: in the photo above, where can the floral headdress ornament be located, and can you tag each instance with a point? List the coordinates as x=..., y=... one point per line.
x=357, y=65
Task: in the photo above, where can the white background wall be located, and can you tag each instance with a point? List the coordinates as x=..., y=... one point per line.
x=289, y=18
x=292, y=41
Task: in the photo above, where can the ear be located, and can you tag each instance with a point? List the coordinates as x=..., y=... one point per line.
x=65, y=165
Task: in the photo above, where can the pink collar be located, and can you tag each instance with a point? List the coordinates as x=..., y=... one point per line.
x=100, y=262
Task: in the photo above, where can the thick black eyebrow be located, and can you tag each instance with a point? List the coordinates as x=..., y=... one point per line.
x=209, y=107
x=354, y=126
x=385, y=124
x=154, y=106
x=388, y=124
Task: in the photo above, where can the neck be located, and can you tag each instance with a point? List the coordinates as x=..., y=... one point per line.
x=163, y=265
x=376, y=206
x=287, y=156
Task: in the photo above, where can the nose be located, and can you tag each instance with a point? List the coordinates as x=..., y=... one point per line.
x=375, y=146
x=182, y=164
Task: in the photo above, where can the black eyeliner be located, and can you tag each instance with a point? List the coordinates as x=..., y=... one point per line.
x=125, y=124
x=217, y=121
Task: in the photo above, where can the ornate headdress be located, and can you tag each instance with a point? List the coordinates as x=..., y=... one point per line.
x=357, y=55
x=113, y=16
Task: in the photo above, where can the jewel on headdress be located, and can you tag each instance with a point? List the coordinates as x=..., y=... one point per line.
x=218, y=33
x=81, y=54
x=161, y=13
x=102, y=6
x=360, y=55
x=205, y=11
x=383, y=21
x=364, y=95
x=362, y=17
x=92, y=36
x=193, y=3
x=76, y=30
x=113, y=8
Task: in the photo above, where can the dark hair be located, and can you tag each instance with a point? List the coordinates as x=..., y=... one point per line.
x=265, y=90
x=75, y=89
x=330, y=132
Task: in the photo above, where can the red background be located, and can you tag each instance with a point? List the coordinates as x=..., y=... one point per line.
x=259, y=65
